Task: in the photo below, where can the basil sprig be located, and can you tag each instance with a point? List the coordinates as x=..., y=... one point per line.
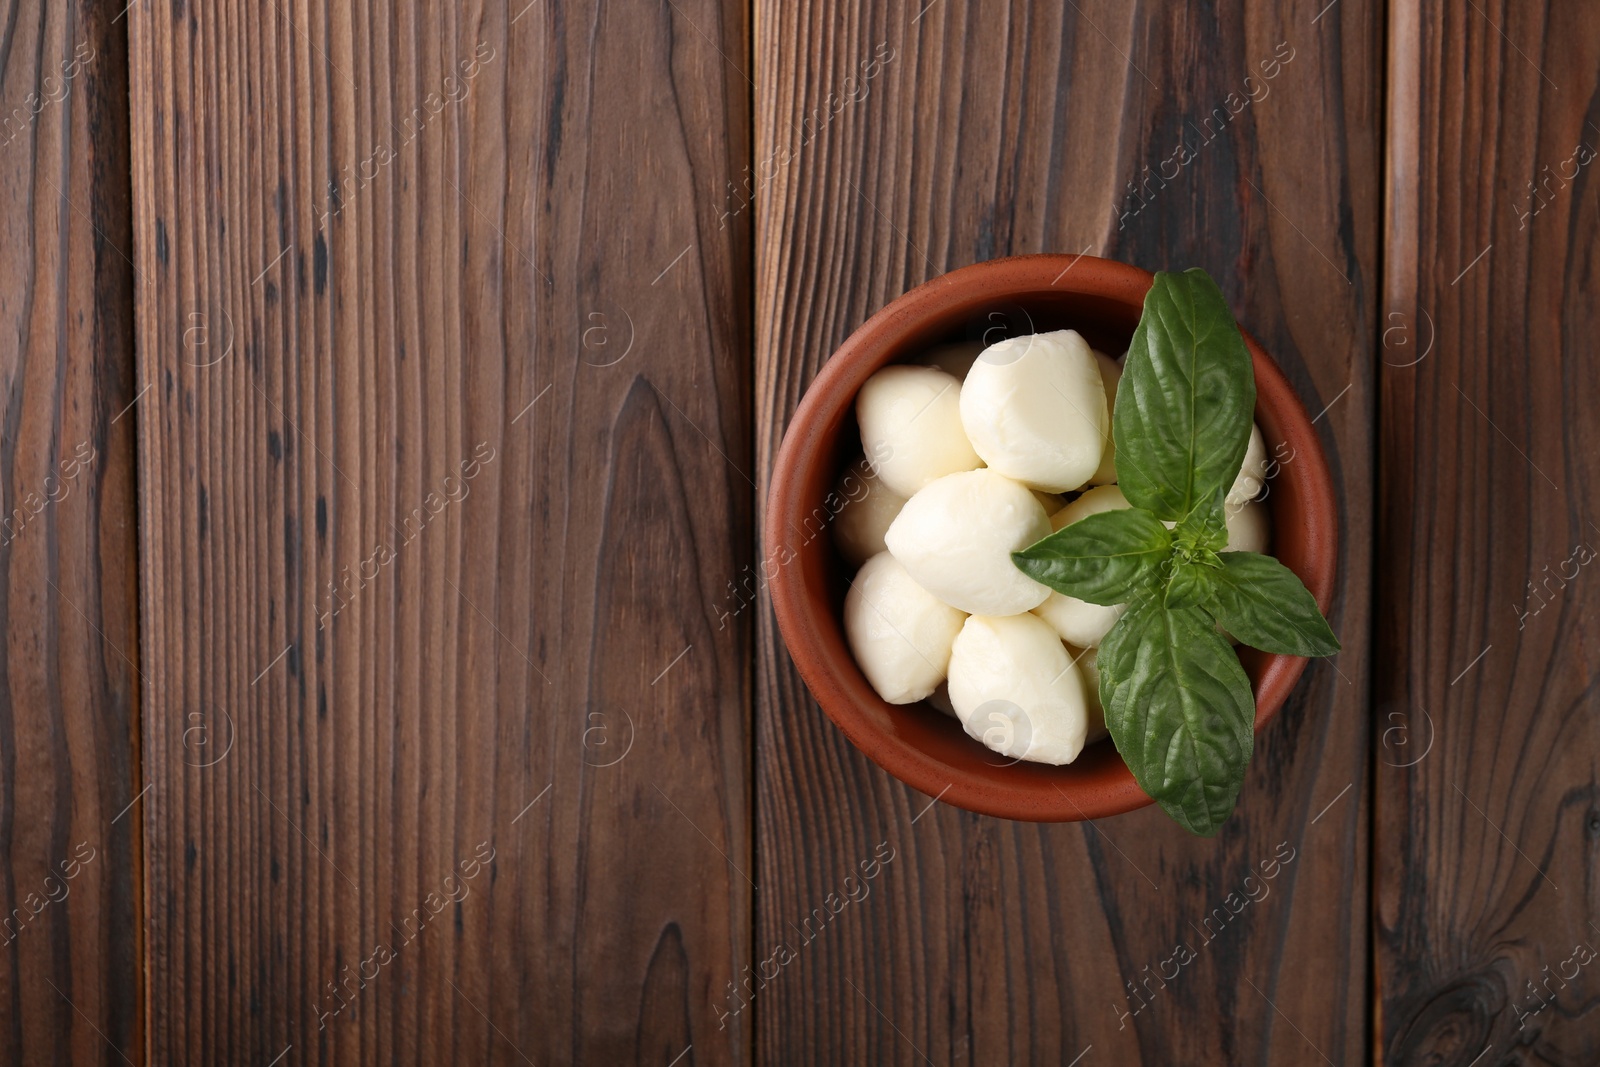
x=1106, y=558
x=1180, y=710
x=1177, y=701
x=1186, y=399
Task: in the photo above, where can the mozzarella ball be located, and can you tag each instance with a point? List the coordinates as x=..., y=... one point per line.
x=869, y=507
x=1034, y=408
x=956, y=536
x=1087, y=666
x=1016, y=690
x=1093, y=502
x=911, y=427
x=1049, y=501
x=1110, y=375
x=1079, y=622
x=1249, y=528
x=899, y=632
x=1253, y=473
x=955, y=359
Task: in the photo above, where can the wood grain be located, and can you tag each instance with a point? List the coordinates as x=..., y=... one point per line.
x=69, y=768
x=994, y=130
x=1486, y=648
x=445, y=471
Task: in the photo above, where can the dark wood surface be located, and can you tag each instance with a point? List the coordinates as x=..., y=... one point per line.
x=1488, y=818
x=598, y=266
x=69, y=685
x=521, y=271
x=995, y=131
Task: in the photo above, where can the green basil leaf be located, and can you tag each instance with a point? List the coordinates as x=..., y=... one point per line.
x=1189, y=584
x=1102, y=558
x=1265, y=605
x=1180, y=711
x=1186, y=398
x=1205, y=529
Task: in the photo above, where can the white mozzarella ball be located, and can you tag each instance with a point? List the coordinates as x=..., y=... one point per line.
x=1034, y=408
x=1079, y=622
x=1253, y=473
x=955, y=359
x=1110, y=375
x=1090, y=669
x=1016, y=690
x=1051, y=502
x=1249, y=528
x=956, y=537
x=910, y=421
x=1093, y=502
x=868, y=509
x=899, y=632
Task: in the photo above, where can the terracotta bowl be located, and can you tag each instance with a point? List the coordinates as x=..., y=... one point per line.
x=916, y=743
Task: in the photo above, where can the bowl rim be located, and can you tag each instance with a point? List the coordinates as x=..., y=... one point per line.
x=880, y=341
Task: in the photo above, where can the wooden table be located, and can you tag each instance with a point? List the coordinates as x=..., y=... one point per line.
x=390, y=393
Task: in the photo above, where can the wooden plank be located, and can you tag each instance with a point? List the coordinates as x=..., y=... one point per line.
x=992, y=129
x=69, y=771
x=439, y=503
x=1486, y=651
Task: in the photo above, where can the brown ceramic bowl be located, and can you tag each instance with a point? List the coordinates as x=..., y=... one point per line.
x=916, y=743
